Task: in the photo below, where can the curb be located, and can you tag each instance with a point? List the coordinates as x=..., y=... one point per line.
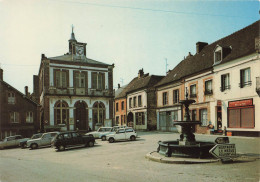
x=154, y=156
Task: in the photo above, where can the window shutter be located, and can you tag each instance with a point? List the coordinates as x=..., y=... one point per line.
x=94, y=80
x=74, y=79
x=222, y=83
x=55, y=77
x=67, y=78
x=241, y=78
x=103, y=81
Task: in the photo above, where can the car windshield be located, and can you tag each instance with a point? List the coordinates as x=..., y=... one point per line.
x=35, y=136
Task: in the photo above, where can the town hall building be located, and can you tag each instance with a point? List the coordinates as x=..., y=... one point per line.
x=75, y=92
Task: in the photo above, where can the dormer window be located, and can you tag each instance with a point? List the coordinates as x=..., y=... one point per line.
x=218, y=54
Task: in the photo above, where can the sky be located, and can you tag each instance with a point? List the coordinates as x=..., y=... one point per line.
x=132, y=34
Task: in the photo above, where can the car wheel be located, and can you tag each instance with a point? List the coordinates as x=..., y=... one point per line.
x=34, y=146
x=132, y=138
x=90, y=144
x=103, y=138
x=61, y=148
x=111, y=140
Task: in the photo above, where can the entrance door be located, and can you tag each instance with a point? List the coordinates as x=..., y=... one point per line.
x=81, y=116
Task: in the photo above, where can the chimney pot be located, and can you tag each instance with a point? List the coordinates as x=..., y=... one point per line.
x=140, y=73
x=200, y=46
x=26, y=90
x=118, y=85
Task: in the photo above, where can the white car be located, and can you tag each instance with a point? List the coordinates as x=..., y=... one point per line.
x=122, y=134
x=102, y=131
x=12, y=141
x=44, y=140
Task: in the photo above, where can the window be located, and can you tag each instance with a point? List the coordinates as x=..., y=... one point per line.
x=117, y=107
x=218, y=56
x=117, y=120
x=176, y=96
x=121, y=131
x=165, y=98
x=203, y=117
x=130, y=102
x=225, y=82
x=75, y=135
x=14, y=117
x=29, y=117
x=129, y=130
x=11, y=98
x=98, y=81
x=61, y=112
x=194, y=115
x=241, y=117
x=134, y=101
x=245, y=77
x=99, y=112
x=122, y=119
x=208, y=87
x=139, y=101
x=139, y=118
x=61, y=80
x=174, y=115
x=193, y=91
x=122, y=105
x=80, y=80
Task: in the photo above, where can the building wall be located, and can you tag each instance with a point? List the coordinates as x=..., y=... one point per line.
x=235, y=92
x=120, y=112
x=22, y=105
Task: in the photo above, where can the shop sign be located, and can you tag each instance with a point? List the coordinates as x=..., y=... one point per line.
x=241, y=103
x=224, y=151
x=219, y=103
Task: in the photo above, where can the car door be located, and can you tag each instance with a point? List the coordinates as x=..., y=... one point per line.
x=17, y=140
x=68, y=139
x=120, y=134
x=10, y=141
x=129, y=132
x=46, y=139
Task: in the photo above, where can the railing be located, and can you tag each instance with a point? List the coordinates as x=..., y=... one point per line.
x=208, y=92
x=242, y=84
x=226, y=87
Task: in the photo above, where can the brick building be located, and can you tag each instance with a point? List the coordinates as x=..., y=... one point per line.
x=75, y=92
x=18, y=112
x=120, y=106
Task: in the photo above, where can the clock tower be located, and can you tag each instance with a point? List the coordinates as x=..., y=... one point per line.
x=76, y=49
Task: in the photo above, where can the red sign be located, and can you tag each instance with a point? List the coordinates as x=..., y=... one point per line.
x=241, y=103
x=219, y=103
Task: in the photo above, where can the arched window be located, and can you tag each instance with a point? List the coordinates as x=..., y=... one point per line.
x=61, y=112
x=99, y=112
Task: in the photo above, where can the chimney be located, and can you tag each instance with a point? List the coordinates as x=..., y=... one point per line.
x=43, y=56
x=118, y=85
x=140, y=73
x=26, y=90
x=200, y=46
x=1, y=74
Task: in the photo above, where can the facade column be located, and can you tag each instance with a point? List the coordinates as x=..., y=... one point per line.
x=90, y=117
x=158, y=121
x=71, y=119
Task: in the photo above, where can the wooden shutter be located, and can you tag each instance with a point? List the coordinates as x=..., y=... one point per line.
x=94, y=80
x=103, y=81
x=241, y=78
x=222, y=83
x=67, y=78
x=234, y=118
x=55, y=79
x=247, y=117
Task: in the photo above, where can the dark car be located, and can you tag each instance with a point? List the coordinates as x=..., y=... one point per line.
x=71, y=139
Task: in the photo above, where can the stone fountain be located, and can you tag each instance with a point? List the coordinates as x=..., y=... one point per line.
x=186, y=146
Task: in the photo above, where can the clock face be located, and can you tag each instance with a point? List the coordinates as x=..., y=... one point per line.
x=79, y=50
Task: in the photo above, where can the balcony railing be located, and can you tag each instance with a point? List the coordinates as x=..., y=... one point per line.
x=241, y=85
x=226, y=87
x=208, y=92
x=79, y=91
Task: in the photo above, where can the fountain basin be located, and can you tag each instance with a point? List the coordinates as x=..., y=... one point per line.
x=172, y=149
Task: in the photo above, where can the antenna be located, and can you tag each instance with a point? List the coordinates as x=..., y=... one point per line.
x=166, y=64
x=122, y=81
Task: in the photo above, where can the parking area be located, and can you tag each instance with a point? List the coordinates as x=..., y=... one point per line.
x=122, y=161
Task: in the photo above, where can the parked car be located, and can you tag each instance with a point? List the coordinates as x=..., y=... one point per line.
x=69, y=139
x=100, y=132
x=103, y=135
x=44, y=140
x=122, y=134
x=12, y=141
x=23, y=144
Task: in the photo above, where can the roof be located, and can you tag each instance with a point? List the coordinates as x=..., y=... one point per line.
x=24, y=96
x=68, y=57
x=119, y=90
x=143, y=82
x=240, y=43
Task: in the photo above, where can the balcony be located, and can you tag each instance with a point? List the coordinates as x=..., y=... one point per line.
x=79, y=92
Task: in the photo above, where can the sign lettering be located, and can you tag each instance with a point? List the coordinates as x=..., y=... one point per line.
x=223, y=151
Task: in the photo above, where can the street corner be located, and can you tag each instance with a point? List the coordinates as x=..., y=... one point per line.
x=155, y=156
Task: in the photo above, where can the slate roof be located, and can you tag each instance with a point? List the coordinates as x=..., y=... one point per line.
x=118, y=91
x=68, y=57
x=242, y=43
x=143, y=82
